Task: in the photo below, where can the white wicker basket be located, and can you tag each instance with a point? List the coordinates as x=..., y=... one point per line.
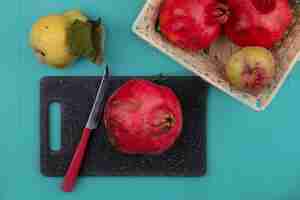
x=208, y=64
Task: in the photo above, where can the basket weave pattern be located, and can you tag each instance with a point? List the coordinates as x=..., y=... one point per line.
x=209, y=64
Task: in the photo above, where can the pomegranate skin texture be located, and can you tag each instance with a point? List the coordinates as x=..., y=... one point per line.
x=142, y=117
x=192, y=24
x=257, y=22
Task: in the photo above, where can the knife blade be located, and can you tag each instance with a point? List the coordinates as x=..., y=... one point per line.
x=98, y=106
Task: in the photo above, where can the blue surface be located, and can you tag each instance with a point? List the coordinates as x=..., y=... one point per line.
x=250, y=155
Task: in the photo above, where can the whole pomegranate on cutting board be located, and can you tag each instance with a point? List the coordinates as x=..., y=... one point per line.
x=142, y=117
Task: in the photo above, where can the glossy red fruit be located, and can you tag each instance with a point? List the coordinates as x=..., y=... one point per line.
x=143, y=118
x=192, y=24
x=257, y=22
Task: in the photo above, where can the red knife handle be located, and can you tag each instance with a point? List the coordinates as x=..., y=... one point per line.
x=73, y=170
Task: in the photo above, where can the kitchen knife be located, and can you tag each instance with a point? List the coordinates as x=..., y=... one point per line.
x=92, y=123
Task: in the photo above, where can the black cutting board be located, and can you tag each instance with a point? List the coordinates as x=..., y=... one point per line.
x=75, y=96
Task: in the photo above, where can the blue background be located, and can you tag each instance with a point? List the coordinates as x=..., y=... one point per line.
x=250, y=155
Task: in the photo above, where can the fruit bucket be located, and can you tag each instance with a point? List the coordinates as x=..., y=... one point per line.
x=209, y=63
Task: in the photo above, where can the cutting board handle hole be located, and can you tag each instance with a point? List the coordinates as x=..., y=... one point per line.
x=55, y=126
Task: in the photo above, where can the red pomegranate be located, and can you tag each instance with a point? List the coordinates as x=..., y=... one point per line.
x=257, y=22
x=142, y=117
x=192, y=24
